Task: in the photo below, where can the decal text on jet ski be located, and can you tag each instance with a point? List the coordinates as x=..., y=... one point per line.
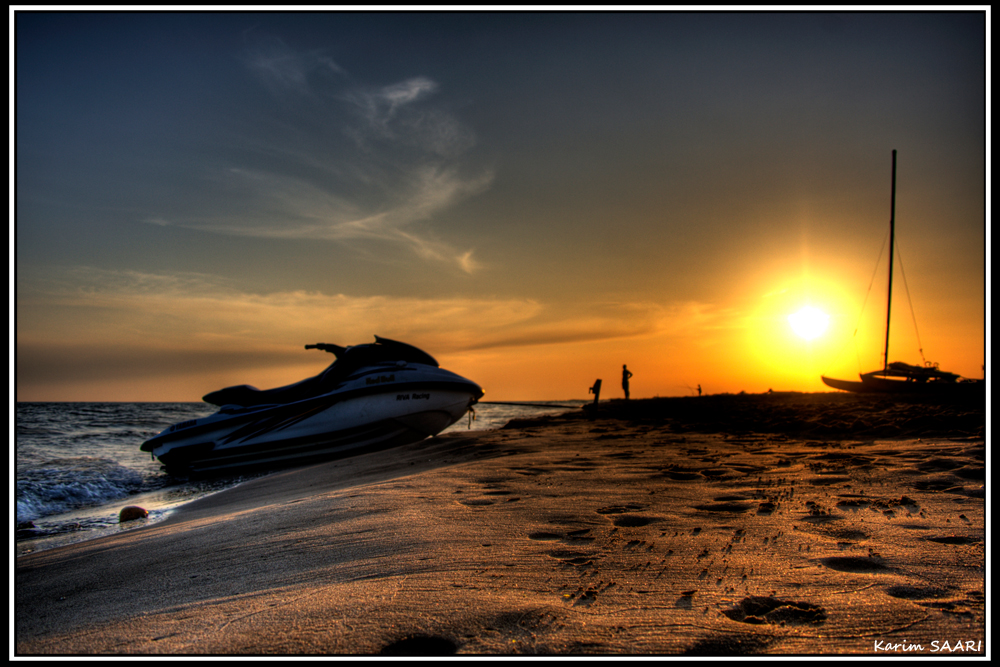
x=380, y=379
x=415, y=397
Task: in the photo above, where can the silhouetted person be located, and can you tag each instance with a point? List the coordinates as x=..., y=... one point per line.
x=626, y=374
x=699, y=390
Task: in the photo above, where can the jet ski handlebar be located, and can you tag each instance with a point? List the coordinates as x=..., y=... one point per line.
x=381, y=350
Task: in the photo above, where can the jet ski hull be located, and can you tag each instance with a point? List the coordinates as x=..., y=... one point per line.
x=376, y=410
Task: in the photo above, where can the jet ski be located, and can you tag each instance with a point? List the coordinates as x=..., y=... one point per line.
x=374, y=396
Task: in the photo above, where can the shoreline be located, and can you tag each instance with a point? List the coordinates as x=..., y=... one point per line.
x=631, y=532
x=46, y=530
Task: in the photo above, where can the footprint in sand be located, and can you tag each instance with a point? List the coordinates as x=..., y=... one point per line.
x=740, y=644
x=971, y=472
x=916, y=592
x=719, y=473
x=894, y=503
x=767, y=508
x=578, y=536
x=584, y=597
x=679, y=473
x=475, y=502
x=632, y=521
x=935, y=483
x=748, y=469
x=853, y=502
x=587, y=598
x=844, y=459
x=732, y=506
x=852, y=534
x=939, y=465
x=620, y=509
x=952, y=539
x=582, y=535
x=758, y=610
x=684, y=603
x=500, y=492
x=574, y=558
x=542, y=536
x=856, y=564
x=577, y=464
x=623, y=519
x=818, y=514
x=826, y=479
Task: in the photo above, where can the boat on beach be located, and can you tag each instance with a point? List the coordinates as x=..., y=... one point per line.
x=903, y=378
x=373, y=396
x=898, y=377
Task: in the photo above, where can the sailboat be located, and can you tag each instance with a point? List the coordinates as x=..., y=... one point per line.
x=902, y=378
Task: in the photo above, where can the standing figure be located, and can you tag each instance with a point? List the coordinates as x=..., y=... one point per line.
x=626, y=374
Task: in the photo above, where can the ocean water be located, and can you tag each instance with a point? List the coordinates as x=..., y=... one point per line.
x=78, y=464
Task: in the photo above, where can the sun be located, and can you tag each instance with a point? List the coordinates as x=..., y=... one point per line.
x=809, y=323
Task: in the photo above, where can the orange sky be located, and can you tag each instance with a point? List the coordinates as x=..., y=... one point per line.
x=199, y=196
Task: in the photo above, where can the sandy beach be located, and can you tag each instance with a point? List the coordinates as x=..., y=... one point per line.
x=811, y=524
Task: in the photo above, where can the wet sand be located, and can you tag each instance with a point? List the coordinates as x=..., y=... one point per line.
x=810, y=524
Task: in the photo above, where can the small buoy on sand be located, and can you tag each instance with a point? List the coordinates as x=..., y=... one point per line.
x=132, y=512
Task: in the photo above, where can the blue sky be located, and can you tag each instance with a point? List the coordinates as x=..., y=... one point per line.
x=200, y=194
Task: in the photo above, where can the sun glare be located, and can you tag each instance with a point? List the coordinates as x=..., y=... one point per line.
x=809, y=323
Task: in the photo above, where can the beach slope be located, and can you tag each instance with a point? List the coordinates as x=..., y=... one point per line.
x=731, y=525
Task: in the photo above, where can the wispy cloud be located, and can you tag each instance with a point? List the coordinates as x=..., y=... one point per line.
x=380, y=105
x=177, y=334
x=282, y=69
x=182, y=312
x=342, y=161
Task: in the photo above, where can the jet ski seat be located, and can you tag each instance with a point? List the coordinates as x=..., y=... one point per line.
x=349, y=359
x=246, y=395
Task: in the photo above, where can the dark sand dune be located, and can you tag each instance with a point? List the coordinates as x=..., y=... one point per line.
x=722, y=525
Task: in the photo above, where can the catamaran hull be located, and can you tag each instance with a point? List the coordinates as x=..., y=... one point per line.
x=309, y=431
x=875, y=385
x=845, y=385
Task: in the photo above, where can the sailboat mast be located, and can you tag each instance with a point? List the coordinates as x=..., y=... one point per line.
x=892, y=240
